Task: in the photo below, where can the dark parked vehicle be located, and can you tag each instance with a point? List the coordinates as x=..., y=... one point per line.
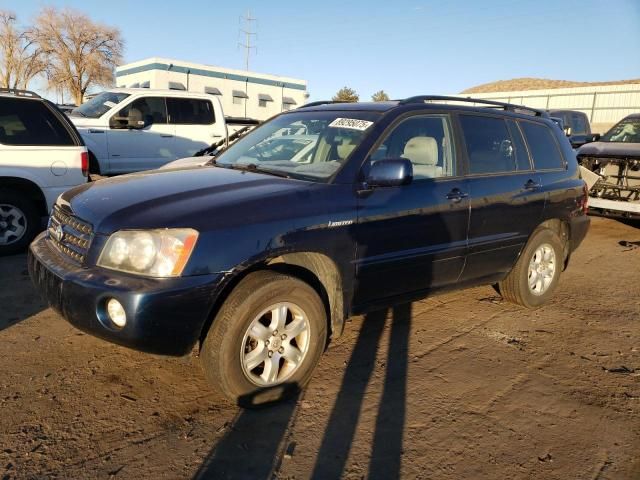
x=258, y=260
x=575, y=125
x=615, y=158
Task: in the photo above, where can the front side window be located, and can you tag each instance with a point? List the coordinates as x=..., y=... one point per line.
x=148, y=110
x=99, y=105
x=305, y=145
x=30, y=122
x=543, y=147
x=578, y=124
x=625, y=131
x=489, y=145
x=188, y=111
x=425, y=141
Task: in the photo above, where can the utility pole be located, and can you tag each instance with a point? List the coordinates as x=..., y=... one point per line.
x=247, y=25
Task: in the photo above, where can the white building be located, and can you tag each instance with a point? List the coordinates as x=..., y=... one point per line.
x=242, y=93
x=604, y=104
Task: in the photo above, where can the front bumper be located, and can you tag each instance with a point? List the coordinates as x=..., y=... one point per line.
x=164, y=316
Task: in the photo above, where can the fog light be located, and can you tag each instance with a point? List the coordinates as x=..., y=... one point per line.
x=116, y=313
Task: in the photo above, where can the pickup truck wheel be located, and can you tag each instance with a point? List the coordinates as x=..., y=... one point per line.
x=266, y=340
x=19, y=222
x=535, y=276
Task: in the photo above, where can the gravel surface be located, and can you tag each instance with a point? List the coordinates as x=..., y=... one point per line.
x=462, y=385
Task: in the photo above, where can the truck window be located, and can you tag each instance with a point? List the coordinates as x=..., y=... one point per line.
x=489, y=145
x=543, y=147
x=579, y=124
x=190, y=111
x=31, y=123
x=149, y=109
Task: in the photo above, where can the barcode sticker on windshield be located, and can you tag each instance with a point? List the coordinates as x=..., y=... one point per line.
x=352, y=123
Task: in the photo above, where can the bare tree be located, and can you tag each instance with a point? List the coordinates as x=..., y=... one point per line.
x=346, y=94
x=20, y=60
x=80, y=52
x=380, y=96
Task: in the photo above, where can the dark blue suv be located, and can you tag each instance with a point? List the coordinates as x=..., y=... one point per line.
x=323, y=212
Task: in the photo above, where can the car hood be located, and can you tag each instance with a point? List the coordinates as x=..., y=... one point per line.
x=610, y=149
x=186, y=162
x=199, y=197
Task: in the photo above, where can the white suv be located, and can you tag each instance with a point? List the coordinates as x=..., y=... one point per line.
x=41, y=156
x=132, y=129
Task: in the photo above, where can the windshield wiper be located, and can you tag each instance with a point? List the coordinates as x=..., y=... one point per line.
x=252, y=167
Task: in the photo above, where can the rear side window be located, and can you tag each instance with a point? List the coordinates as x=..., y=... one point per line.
x=190, y=111
x=489, y=145
x=30, y=122
x=543, y=147
x=521, y=153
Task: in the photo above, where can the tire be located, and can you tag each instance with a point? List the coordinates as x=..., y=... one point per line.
x=225, y=350
x=19, y=221
x=544, y=246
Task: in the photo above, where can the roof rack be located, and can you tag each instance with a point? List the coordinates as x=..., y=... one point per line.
x=20, y=93
x=506, y=106
x=320, y=102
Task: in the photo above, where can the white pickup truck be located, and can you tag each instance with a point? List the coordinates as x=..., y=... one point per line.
x=132, y=129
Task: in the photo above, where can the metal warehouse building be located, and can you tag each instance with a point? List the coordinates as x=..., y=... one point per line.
x=604, y=104
x=242, y=93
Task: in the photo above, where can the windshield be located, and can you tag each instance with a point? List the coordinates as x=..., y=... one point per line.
x=99, y=105
x=306, y=145
x=626, y=131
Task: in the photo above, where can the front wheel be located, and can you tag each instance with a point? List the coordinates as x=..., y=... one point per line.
x=535, y=275
x=266, y=339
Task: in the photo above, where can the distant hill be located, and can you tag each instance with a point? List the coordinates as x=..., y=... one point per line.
x=537, y=84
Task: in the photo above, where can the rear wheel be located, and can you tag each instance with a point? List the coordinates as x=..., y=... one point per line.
x=19, y=222
x=266, y=339
x=535, y=276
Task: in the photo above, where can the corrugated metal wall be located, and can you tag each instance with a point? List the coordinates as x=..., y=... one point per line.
x=604, y=105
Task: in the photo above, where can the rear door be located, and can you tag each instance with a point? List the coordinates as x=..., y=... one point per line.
x=506, y=195
x=412, y=238
x=135, y=149
x=194, y=120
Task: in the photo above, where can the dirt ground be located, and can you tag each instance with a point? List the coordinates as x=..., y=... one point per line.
x=461, y=385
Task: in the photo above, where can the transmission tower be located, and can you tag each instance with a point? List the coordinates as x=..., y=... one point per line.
x=247, y=26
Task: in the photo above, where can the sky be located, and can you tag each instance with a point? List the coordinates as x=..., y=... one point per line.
x=403, y=47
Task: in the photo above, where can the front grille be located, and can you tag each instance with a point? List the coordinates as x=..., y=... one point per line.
x=69, y=234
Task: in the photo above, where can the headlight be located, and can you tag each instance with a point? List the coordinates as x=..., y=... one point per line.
x=156, y=253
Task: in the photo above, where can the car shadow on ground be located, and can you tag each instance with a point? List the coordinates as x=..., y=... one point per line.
x=18, y=299
x=256, y=442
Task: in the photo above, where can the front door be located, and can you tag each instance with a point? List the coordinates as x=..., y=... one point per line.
x=149, y=145
x=412, y=238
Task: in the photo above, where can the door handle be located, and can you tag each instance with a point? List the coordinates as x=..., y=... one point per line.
x=531, y=185
x=456, y=195
x=166, y=135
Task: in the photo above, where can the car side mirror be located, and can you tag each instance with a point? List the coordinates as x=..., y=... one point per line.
x=390, y=172
x=567, y=130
